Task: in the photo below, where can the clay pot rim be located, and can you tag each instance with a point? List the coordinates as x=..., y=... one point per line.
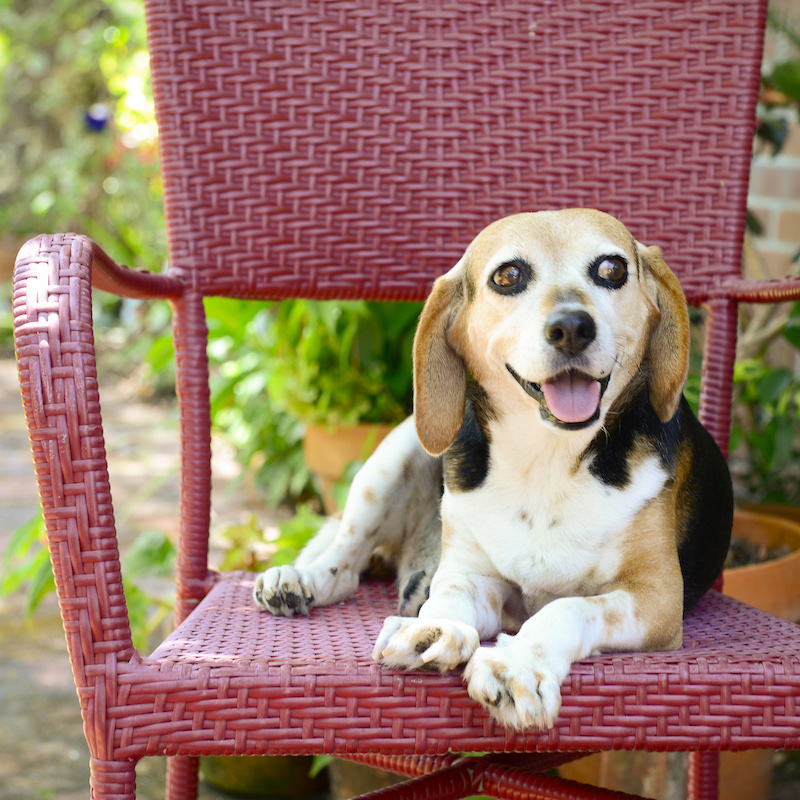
x=790, y=526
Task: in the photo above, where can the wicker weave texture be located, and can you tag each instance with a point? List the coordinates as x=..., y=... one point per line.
x=233, y=679
x=336, y=148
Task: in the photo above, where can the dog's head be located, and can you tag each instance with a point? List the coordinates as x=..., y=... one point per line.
x=560, y=309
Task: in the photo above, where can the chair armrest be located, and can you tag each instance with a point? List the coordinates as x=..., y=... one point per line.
x=741, y=290
x=51, y=255
x=54, y=344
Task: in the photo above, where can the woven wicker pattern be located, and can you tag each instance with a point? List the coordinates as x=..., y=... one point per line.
x=334, y=148
x=353, y=149
x=735, y=684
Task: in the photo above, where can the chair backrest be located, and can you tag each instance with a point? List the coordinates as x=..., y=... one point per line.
x=334, y=148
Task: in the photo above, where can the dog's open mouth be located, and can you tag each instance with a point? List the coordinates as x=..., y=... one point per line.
x=571, y=398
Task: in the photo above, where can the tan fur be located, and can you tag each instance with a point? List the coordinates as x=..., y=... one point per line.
x=440, y=381
x=651, y=573
x=668, y=349
x=528, y=536
x=464, y=324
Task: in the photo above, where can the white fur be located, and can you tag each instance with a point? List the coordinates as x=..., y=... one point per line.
x=392, y=497
x=538, y=569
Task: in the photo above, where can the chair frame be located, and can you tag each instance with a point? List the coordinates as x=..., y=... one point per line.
x=230, y=680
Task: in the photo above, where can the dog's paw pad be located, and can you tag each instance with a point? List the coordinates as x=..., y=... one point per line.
x=515, y=693
x=284, y=591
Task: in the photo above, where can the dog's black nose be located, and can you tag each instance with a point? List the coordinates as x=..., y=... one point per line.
x=570, y=331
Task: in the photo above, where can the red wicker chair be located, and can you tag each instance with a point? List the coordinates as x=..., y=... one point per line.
x=342, y=148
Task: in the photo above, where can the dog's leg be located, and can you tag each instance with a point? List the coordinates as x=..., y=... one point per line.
x=463, y=607
x=416, y=566
x=391, y=496
x=519, y=680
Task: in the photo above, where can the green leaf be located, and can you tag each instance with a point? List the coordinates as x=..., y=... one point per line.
x=791, y=330
x=25, y=554
x=772, y=385
x=785, y=77
x=152, y=553
x=42, y=582
x=783, y=444
x=318, y=764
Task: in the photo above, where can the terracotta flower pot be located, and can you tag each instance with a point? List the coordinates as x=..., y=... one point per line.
x=774, y=585
x=328, y=453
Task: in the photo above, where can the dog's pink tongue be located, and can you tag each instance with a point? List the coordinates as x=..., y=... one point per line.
x=572, y=397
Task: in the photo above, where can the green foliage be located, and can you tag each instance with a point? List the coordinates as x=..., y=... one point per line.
x=152, y=556
x=296, y=532
x=242, y=543
x=267, y=440
x=26, y=567
x=780, y=91
x=65, y=64
x=765, y=440
x=339, y=364
x=279, y=367
x=245, y=542
x=26, y=564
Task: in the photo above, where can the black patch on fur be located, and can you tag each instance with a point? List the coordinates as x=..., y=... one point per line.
x=705, y=500
x=705, y=512
x=466, y=462
x=631, y=422
x=413, y=584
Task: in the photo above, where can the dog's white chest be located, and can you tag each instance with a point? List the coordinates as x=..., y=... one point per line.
x=551, y=531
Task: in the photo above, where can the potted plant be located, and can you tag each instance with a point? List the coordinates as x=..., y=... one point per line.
x=344, y=371
x=332, y=377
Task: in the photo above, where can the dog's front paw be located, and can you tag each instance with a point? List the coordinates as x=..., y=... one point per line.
x=518, y=691
x=415, y=643
x=284, y=591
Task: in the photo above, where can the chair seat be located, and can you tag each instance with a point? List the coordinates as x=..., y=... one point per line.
x=253, y=683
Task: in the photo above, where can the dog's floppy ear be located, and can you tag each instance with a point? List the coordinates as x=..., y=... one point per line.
x=668, y=348
x=440, y=378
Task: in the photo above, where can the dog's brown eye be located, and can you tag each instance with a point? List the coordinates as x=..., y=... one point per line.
x=610, y=271
x=511, y=277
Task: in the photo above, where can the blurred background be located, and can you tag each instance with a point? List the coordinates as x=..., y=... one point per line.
x=79, y=152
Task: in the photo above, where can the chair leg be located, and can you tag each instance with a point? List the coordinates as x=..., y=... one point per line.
x=112, y=780
x=703, y=776
x=182, y=777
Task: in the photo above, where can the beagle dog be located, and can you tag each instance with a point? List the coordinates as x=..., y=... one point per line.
x=553, y=489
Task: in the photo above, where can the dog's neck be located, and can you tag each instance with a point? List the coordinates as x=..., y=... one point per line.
x=517, y=430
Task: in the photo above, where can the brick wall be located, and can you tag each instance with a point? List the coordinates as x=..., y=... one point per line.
x=775, y=180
